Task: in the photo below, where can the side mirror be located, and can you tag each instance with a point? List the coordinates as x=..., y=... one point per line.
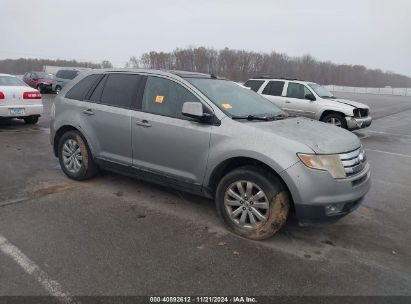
x=195, y=110
x=309, y=96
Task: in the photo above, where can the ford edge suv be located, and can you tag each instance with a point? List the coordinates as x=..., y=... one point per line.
x=209, y=136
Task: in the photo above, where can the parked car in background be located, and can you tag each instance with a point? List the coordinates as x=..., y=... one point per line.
x=304, y=98
x=63, y=76
x=18, y=100
x=210, y=136
x=39, y=80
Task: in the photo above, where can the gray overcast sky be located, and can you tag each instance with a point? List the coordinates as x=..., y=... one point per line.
x=374, y=33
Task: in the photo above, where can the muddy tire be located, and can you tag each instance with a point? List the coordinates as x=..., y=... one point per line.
x=335, y=119
x=75, y=157
x=252, y=202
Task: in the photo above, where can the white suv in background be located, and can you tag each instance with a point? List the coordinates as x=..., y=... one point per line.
x=303, y=98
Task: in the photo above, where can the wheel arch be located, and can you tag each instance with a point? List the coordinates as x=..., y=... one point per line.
x=236, y=162
x=326, y=112
x=61, y=131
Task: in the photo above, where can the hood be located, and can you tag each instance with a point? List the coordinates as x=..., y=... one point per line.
x=351, y=103
x=322, y=138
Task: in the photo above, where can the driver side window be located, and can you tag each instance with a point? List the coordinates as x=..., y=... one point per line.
x=297, y=90
x=165, y=97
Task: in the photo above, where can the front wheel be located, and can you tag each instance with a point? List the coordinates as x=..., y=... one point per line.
x=335, y=119
x=58, y=89
x=252, y=202
x=75, y=157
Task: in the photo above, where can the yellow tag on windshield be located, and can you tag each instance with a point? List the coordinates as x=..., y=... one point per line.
x=159, y=99
x=227, y=106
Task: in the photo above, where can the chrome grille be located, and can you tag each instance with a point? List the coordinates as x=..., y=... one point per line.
x=353, y=162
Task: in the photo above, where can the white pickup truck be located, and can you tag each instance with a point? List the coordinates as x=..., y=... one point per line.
x=303, y=98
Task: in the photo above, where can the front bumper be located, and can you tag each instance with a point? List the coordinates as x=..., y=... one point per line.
x=316, y=192
x=354, y=123
x=28, y=110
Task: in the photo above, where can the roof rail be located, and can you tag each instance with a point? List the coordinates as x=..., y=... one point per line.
x=267, y=77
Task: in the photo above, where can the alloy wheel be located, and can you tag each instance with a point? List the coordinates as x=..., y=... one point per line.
x=72, y=158
x=334, y=121
x=246, y=204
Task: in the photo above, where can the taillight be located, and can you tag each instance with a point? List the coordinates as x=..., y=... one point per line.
x=2, y=95
x=31, y=95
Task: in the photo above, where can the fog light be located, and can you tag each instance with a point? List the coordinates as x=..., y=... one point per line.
x=334, y=209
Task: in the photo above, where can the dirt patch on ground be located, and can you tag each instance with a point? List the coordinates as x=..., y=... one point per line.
x=52, y=189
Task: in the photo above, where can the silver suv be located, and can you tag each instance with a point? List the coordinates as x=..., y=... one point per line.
x=209, y=136
x=308, y=99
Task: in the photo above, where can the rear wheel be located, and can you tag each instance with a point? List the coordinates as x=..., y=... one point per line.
x=75, y=157
x=40, y=89
x=31, y=120
x=252, y=202
x=335, y=119
x=58, y=89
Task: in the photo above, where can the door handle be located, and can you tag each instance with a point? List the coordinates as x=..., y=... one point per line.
x=287, y=101
x=143, y=123
x=88, y=112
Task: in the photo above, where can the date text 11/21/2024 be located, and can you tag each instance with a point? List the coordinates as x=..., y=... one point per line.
x=203, y=299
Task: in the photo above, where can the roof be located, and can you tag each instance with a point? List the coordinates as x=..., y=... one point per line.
x=7, y=75
x=182, y=74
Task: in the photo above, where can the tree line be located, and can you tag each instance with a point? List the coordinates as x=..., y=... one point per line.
x=23, y=65
x=240, y=65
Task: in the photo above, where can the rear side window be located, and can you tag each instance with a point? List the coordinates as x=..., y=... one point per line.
x=165, y=97
x=297, y=90
x=120, y=90
x=80, y=90
x=274, y=88
x=254, y=84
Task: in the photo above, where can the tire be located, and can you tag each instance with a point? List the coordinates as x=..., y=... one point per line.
x=31, y=120
x=40, y=89
x=335, y=119
x=58, y=89
x=276, y=202
x=73, y=145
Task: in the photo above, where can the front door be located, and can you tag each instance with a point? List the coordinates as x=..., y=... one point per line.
x=165, y=142
x=295, y=102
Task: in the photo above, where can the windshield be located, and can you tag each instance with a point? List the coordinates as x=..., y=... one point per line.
x=11, y=81
x=43, y=75
x=235, y=100
x=321, y=91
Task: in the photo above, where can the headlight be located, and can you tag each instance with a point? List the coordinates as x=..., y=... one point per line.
x=331, y=163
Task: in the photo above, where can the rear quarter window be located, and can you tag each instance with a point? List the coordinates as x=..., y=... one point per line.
x=79, y=91
x=254, y=84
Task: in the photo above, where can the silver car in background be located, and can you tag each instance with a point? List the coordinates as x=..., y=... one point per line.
x=206, y=135
x=309, y=99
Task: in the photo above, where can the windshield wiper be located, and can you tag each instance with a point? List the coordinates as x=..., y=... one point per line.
x=263, y=118
x=251, y=117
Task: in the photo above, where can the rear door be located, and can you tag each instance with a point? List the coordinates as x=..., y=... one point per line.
x=296, y=103
x=273, y=91
x=108, y=115
x=165, y=143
